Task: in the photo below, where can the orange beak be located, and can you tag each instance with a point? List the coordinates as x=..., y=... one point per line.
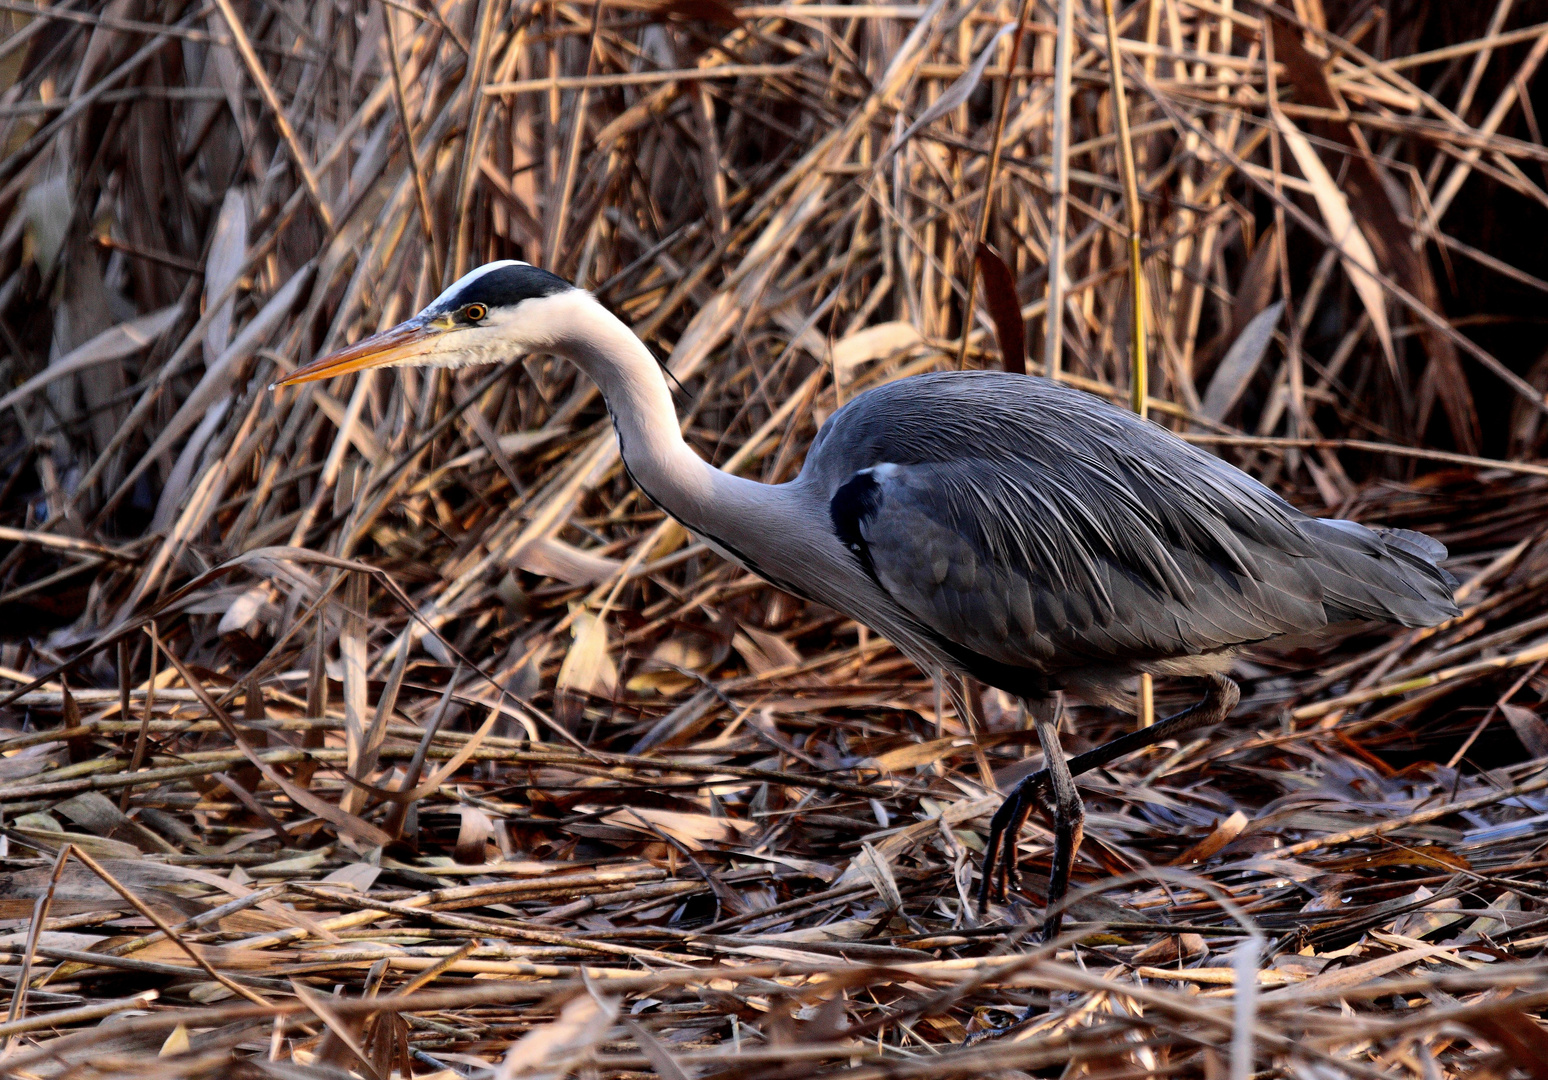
x=403, y=344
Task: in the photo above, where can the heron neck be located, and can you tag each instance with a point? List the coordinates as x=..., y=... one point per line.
x=710, y=502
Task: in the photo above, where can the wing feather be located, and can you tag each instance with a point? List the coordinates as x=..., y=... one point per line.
x=1040, y=527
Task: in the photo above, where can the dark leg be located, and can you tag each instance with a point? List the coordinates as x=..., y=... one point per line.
x=1069, y=816
x=1220, y=697
x=999, y=875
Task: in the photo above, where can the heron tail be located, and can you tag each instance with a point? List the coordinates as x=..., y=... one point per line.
x=1387, y=575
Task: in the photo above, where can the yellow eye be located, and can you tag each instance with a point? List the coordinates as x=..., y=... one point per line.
x=475, y=312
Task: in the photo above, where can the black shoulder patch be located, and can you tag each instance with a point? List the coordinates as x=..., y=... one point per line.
x=508, y=286
x=852, y=504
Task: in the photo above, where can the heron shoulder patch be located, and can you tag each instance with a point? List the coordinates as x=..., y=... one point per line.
x=854, y=502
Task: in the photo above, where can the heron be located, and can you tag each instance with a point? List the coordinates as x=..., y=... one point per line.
x=999, y=526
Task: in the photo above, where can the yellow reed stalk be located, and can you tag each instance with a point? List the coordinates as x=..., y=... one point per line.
x=1138, y=374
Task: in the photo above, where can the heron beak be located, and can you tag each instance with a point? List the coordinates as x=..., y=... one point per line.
x=403, y=344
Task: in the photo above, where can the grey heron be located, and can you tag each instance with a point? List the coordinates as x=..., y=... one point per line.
x=1000, y=526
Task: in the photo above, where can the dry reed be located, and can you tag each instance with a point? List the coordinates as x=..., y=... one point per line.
x=383, y=728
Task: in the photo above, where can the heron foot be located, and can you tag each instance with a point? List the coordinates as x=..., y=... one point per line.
x=1053, y=789
x=1000, y=872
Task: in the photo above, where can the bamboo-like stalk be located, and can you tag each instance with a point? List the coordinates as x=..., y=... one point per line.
x=281, y=120
x=1139, y=375
x=1053, y=342
x=991, y=174
x=1139, y=381
x=421, y=188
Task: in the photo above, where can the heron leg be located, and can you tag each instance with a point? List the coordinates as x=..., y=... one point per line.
x=1000, y=873
x=1069, y=816
x=1220, y=697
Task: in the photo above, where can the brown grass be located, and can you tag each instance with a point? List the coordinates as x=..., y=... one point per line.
x=382, y=727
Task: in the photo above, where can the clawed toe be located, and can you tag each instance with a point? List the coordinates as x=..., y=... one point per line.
x=1001, y=871
x=1053, y=788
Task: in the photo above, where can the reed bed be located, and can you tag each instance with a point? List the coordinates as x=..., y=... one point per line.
x=382, y=728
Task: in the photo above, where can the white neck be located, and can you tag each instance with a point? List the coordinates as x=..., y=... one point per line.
x=736, y=512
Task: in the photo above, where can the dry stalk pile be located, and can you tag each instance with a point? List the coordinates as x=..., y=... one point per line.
x=383, y=728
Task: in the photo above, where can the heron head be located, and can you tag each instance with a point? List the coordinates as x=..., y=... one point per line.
x=488, y=315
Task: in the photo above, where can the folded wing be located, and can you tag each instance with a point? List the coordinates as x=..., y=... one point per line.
x=1038, y=527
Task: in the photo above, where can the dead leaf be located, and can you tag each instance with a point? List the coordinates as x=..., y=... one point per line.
x=1354, y=250
x=354, y=662
x=177, y=1042
x=1355, y=974
x=46, y=209
x=948, y=1027
x=357, y=876
x=1431, y=855
x=913, y=755
x=555, y=559
x=31, y=761
x=228, y=253
x=877, y=342
x=842, y=930
x=1240, y=363
x=125, y=339
x=764, y=652
x=208, y=993
x=1004, y=308
x=663, y=669
x=95, y=813
x=1430, y=917
x=1170, y=949
x=343, y=1039
x=587, y=667
x=357, y=827
x=228, y=73
x=1259, y=279
x=585, y=1021
x=827, y=1021
x=473, y=837
x=97, y=846
x=872, y=866
x=1372, y=202
x=691, y=829
x=182, y=474
x=683, y=722
x=1224, y=832
x=1521, y=1037
x=218, y=377
x=956, y=93
x=1529, y=728
x=245, y=609
x=661, y=1059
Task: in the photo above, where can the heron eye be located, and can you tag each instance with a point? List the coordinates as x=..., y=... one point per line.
x=475, y=312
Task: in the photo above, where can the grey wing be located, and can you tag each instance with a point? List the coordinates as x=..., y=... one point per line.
x=1032, y=526
x=1006, y=571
